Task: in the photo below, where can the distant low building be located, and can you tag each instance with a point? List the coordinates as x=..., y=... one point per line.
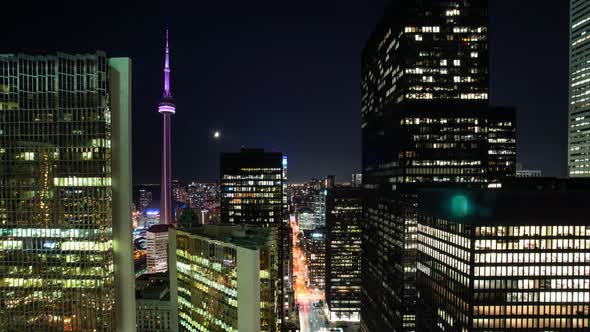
x=152, y=302
x=306, y=219
x=157, y=248
x=527, y=173
x=356, y=180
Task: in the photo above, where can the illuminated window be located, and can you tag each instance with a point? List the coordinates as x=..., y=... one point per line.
x=453, y=12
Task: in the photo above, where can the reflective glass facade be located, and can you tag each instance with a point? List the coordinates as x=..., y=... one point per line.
x=58, y=205
x=226, y=278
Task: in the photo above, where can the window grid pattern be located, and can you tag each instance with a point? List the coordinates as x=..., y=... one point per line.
x=504, y=278
x=208, y=275
x=56, y=258
x=431, y=56
x=254, y=195
x=343, y=253
x=579, y=89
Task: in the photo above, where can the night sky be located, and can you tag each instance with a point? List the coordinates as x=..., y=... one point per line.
x=285, y=75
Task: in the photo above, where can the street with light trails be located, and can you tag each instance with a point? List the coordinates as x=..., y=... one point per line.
x=311, y=319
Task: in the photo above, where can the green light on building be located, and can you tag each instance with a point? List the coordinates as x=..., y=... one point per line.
x=460, y=206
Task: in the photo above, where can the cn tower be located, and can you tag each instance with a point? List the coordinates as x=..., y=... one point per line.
x=166, y=108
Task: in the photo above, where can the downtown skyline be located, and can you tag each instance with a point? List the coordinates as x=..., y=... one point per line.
x=244, y=69
x=390, y=165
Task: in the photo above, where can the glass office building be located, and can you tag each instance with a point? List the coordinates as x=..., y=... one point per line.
x=226, y=278
x=344, y=215
x=504, y=260
x=65, y=193
x=425, y=121
x=579, y=88
x=252, y=187
x=315, y=256
x=253, y=191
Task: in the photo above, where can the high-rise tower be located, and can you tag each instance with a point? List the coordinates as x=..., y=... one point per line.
x=426, y=122
x=252, y=192
x=579, y=108
x=65, y=193
x=166, y=108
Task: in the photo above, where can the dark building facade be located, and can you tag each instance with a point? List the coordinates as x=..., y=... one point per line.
x=344, y=215
x=513, y=259
x=426, y=121
x=253, y=191
x=315, y=255
x=252, y=187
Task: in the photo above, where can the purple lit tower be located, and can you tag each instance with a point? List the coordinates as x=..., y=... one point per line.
x=166, y=108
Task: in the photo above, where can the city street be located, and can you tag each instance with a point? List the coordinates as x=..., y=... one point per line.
x=311, y=319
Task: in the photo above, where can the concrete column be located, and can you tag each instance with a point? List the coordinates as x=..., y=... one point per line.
x=120, y=104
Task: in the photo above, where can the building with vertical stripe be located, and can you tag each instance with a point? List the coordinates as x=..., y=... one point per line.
x=65, y=193
x=579, y=88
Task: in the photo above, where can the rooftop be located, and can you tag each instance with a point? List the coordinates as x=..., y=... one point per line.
x=246, y=236
x=159, y=228
x=153, y=287
x=527, y=201
x=254, y=158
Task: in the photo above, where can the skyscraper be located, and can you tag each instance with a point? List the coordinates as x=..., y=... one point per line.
x=319, y=200
x=65, y=193
x=166, y=108
x=252, y=187
x=315, y=256
x=344, y=215
x=579, y=88
x=425, y=121
x=253, y=192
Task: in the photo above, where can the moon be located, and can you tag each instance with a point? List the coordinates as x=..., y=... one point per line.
x=216, y=134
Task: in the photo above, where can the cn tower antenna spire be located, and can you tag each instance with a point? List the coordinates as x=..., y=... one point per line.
x=167, y=93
